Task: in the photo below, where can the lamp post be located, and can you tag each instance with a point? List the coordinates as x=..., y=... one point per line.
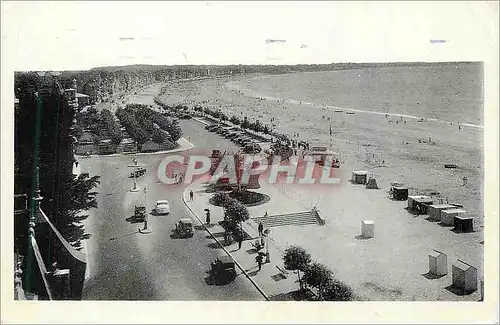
x=146, y=206
x=134, y=166
x=267, y=232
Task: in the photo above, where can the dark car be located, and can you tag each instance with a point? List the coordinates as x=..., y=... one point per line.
x=214, y=128
x=223, y=270
x=232, y=134
x=252, y=148
x=138, y=172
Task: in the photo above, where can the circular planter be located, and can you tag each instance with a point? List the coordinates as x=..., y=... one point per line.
x=247, y=198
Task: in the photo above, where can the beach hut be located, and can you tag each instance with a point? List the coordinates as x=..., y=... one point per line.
x=371, y=184
x=435, y=210
x=399, y=193
x=448, y=216
x=463, y=224
x=419, y=203
x=438, y=263
x=367, y=228
x=464, y=276
x=359, y=177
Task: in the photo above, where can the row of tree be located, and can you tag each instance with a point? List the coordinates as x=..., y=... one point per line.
x=256, y=126
x=102, y=125
x=143, y=124
x=315, y=275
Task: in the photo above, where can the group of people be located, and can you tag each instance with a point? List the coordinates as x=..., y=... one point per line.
x=179, y=178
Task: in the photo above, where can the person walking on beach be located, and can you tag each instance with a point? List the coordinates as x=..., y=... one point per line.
x=191, y=194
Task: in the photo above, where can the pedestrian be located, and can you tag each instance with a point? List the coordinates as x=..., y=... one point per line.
x=259, y=260
x=261, y=228
x=181, y=178
x=240, y=241
x=175, y=177
x=207, y=220
x=191, y=194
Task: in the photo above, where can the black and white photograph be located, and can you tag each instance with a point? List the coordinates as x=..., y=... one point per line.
x=317, y=155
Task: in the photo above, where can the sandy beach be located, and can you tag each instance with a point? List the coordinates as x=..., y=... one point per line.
x=387, y=147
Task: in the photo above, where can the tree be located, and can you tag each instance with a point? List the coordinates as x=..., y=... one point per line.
x=159, y=136
x=318, y=276
x=337, y=291
x=77, y=196
x=296, y=259
x=236, y=211
x=110, y=126
x=175, y=131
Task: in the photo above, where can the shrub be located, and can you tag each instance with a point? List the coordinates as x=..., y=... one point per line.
x=220, y=199
x=159, y=136
x=337, y=291
x=169, y=145
x=247, y=197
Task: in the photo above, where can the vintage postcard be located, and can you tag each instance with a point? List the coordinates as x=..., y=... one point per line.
x=235, y=162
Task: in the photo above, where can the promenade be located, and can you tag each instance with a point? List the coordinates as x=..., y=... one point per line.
x=391, y=266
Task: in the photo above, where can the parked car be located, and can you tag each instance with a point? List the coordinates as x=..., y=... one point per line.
x=162, y=207
x=222, y=270
x=215, y=128
x=184, y=228
x=245, y=141
x=139, y=213
x=138, y=172
x=216, y=153
x=252, y=148
x=232, y=134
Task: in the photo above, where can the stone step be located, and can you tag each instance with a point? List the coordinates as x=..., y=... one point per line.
x=295, y=218
x=290, y=219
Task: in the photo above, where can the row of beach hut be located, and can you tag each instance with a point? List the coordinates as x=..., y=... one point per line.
x=446, y=214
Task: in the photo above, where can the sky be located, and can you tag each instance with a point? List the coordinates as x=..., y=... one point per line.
x=60, y=35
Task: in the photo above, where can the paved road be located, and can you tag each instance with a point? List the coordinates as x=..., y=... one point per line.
x=127, y=265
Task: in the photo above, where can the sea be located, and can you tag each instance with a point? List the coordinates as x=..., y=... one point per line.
x=450, y=93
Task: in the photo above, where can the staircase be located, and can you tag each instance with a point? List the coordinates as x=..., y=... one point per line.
x=290, y=219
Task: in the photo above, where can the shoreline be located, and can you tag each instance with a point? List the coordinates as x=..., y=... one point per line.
x=252, y=94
